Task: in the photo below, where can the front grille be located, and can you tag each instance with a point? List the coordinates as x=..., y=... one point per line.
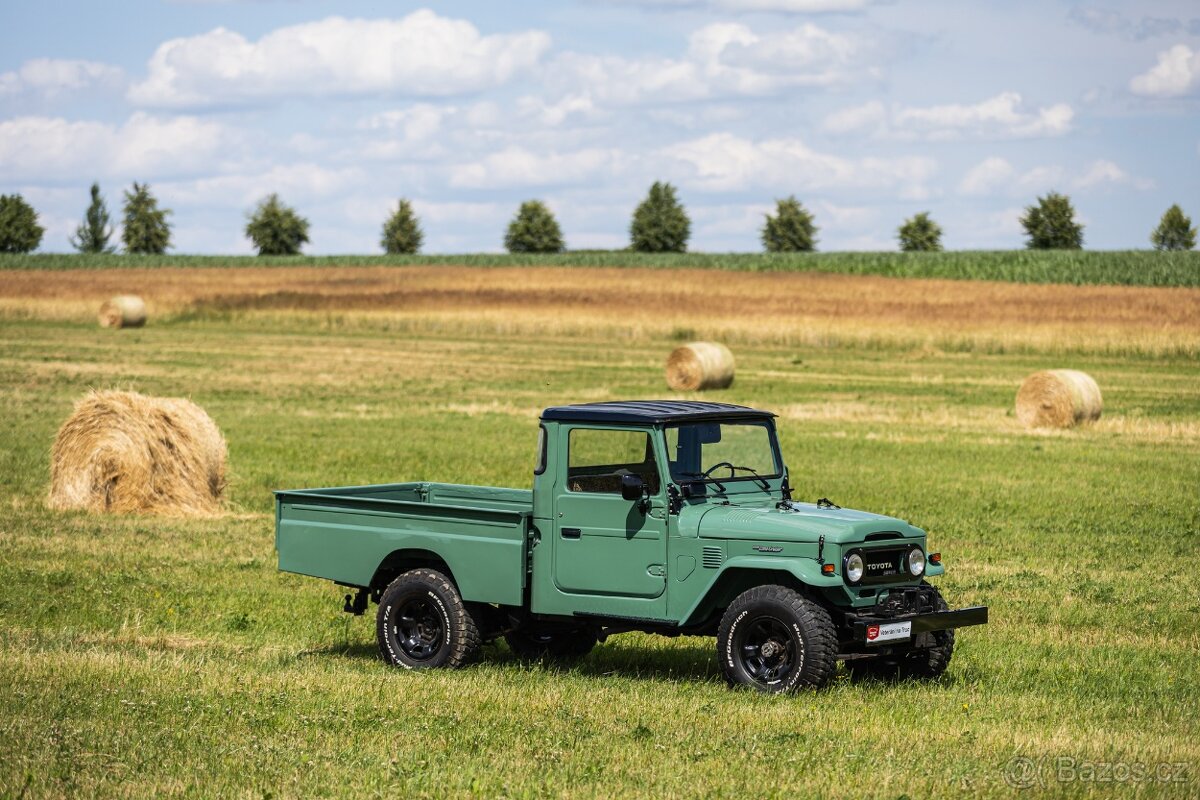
x=882, y=562
x=712, y=557
x=883, y=565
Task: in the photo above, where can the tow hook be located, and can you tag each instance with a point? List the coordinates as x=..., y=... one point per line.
x=359, y=605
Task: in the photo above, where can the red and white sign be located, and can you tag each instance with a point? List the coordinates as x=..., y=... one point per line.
x=889, y=631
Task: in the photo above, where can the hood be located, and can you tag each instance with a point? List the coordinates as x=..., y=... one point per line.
x=804, y=522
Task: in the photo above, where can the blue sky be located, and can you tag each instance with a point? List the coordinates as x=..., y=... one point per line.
x=867, y=111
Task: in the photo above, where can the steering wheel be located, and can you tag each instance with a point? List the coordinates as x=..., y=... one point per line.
x=708, y=472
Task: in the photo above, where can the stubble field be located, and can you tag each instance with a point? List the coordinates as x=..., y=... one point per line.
x=143, y=655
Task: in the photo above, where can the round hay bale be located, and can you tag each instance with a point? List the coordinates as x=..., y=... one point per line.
x=698, y=366
x=123, y=311
x=124, y=452
x=1058, y=398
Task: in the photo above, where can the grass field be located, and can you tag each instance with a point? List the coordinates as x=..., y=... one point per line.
x=1120, y=268
x=147, y=656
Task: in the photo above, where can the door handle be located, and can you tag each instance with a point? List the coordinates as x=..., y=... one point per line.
x=571, y=533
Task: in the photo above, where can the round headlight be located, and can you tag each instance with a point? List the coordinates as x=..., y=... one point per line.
x=854, y=568
x=916, y=562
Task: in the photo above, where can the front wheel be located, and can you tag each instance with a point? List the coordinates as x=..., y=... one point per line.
x=422, y=623
x=772, y=639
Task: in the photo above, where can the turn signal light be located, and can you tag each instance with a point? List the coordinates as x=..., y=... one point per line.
x=827, y=569
x=935, y=558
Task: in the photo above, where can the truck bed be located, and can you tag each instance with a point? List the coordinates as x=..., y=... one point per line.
x=346, y=534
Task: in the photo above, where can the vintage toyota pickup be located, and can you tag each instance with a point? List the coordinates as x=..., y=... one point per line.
x=667, y=517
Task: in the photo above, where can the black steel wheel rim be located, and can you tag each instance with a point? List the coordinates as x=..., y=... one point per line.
x=767, y=651
x=418, y=628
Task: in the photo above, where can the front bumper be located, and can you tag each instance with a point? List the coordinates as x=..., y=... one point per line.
x=921, y=623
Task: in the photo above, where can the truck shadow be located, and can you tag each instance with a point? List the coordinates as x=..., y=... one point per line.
x=687, y=662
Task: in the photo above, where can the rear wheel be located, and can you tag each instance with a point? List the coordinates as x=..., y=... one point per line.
x=774, y=640
x=920, y=663
x=531, y=643
x=422, y=623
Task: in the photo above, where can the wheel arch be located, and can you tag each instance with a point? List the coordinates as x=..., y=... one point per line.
x=397, y=562
x=738, y=575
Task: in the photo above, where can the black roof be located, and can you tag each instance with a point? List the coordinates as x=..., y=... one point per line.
x=651, y=411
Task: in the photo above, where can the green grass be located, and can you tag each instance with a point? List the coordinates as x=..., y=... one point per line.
x=145, y=656
x=1131, y=267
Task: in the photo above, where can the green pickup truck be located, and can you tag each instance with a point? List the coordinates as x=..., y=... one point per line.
x=666, y=517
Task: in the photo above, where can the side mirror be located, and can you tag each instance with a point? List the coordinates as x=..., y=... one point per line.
x=632, y=487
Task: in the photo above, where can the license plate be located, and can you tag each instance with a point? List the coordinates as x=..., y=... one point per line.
x=888, y=632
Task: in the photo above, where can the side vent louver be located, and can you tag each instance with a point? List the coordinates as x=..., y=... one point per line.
x=712, y=557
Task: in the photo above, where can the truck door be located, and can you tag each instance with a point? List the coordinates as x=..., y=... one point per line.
x=605, y=546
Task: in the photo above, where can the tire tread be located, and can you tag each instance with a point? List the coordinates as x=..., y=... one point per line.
x=820, y=654
x=465, y=636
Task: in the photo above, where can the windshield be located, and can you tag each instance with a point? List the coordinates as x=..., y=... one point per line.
x=722, y=451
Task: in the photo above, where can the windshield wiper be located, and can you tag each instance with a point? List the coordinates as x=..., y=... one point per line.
x=765, y=486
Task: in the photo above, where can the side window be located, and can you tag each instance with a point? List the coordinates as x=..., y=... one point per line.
x=596, y=460
x=539, y=466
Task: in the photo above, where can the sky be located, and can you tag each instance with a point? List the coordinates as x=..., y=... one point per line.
x=867, y=112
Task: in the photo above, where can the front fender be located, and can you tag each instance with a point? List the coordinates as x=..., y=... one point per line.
x=737, y=574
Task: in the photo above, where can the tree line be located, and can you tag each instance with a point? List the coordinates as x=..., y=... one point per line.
x=660, y=224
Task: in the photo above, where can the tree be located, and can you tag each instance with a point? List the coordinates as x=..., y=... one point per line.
x=920, y=234
x=402, y=232
x=19, y=229
x=145, y=228
x=276, y=229
x=533, y=230
x=93, y=233
x=660, y=223
x=1174, y=231
x=791, y=230
x=1051, y=225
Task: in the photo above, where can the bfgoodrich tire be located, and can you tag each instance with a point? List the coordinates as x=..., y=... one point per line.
x=422, y=623
x=772, y=639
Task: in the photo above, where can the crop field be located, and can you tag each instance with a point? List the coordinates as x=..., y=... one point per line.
x=157, y=656
x=1077, y=267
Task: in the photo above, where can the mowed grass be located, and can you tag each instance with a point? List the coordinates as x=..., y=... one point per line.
x=1079, y=267
x=147, y=656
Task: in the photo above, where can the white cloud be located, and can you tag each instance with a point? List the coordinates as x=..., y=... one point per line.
x=422, y=54
x=869, y=116
x=996, y=176
x=999, y=117
x=555, y=113
x=295, y=184
x=791, y=6
x=54, y=76
x=1114, y=23
x=724, y=162
x=722, y=59
x=407, y=133
x=1176, y=73
x=777, y=6
x=516, y=167
x=144, y=146
x=1104, y=172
